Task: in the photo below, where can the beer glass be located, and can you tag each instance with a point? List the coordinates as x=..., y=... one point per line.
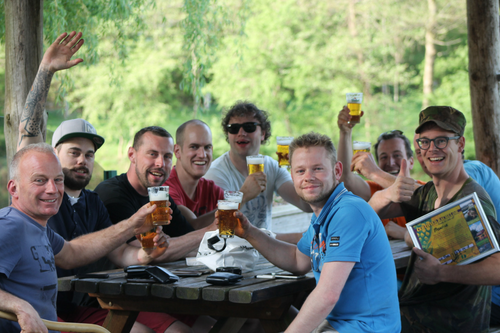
x=158, y=196
x=354, y=104
x=146, y=238
x=234, y=196
x=255, y=163
x=227, y=220
x=361, y=146
x=283, y=149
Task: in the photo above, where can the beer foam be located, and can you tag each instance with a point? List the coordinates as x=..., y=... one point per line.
x=227, y=205
x=284, y=140
x=158, y=196
x=360, y=145
x=234, y=198
x=255, y=159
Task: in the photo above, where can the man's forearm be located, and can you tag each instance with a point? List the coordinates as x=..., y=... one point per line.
x=352, y=182
x=31, y=118
x=484, y=272
x=281, y=254
x=28, y=318
x=90, y=247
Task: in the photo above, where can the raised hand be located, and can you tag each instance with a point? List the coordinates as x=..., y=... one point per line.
x=344, y=120
x=403, y=187
x=58, y=55
x=364, y=164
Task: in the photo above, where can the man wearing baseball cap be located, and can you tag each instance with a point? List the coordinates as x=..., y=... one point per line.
x=435, y=297
x=81, y=211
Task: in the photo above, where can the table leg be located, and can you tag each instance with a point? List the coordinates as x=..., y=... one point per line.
x=118, y=321
x=228, y=325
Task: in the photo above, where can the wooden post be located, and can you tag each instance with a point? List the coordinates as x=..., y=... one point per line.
x=484, y=44
x=23, y=53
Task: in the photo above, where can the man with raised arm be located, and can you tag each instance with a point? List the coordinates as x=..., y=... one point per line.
x=246, y=127
x=31, y=250
x=391, y=148
x=81, y=212
x=345, y=244
x=435, y=297
x=194, y=195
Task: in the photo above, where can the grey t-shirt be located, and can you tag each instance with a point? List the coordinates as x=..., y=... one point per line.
x=258, y=211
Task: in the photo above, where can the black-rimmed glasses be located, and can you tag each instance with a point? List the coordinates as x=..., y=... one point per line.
x=440, y=142
x=249, y=127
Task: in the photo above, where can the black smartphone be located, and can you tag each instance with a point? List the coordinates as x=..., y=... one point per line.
x=223, y=278
x=162, y=274
x=234, y=270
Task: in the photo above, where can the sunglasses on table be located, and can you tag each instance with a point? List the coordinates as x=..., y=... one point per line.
x=440, y=142
x=249, y=127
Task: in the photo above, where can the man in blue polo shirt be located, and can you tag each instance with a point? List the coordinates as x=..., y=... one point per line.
x=346, y=245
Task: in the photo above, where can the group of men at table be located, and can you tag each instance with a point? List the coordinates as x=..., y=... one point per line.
x=346, y=243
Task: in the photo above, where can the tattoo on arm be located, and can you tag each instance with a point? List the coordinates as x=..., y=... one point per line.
x=33, y=109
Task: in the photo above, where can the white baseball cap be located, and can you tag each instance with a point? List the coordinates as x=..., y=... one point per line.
x=76, y=128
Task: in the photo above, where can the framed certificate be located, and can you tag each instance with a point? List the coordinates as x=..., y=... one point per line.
x=456, y=234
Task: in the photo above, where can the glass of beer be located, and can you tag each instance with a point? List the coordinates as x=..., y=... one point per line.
x=283, y=149
x=358, y=146
x=146, y=238
x=158, y=196
x=354, y=104
x=234, y=196
x=227, y=220
x=255, y=163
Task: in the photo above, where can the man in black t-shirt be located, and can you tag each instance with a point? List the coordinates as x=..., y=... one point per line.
x=150, y=164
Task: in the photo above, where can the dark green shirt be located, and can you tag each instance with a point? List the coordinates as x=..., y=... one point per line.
x=445, y=307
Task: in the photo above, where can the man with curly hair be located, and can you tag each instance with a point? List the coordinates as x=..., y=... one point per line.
x=246, y=127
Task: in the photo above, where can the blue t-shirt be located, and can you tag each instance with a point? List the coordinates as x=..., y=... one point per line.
x=348, y=229
x=27, y=264
x=488, y=179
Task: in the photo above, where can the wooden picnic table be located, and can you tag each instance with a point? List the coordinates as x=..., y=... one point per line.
x=266, y=299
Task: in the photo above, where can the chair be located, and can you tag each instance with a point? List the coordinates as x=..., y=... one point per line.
x=65, y=327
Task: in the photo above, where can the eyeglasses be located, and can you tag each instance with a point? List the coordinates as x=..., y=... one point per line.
x=249, y=127
x=389, y=133
x=440, y=142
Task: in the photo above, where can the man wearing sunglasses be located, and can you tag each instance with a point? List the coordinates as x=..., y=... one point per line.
x=391, y=148
x=435, y=297
x=345, y=245
x=246, y=127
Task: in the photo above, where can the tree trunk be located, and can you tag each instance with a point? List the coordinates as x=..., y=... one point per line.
x=430, y=52
x=23, y=53
x=484, y=44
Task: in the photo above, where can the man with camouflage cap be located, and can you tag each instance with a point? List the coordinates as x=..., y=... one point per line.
x=435, y=297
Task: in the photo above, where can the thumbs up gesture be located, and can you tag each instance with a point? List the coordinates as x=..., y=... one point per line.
x=403, y=187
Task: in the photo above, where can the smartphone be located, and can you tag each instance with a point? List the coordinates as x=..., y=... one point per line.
x=279, y=276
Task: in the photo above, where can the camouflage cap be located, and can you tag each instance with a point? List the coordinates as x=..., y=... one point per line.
x=446, y=117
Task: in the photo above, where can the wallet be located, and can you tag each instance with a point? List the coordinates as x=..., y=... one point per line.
x=223, y=278
x=151, y=273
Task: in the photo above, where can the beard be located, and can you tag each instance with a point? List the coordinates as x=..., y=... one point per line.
x=321, y=197
x=75, y=183
x=143, y=178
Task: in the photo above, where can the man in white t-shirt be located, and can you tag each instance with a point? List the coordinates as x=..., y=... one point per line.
x=246, y=127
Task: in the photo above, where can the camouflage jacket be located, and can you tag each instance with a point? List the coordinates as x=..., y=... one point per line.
x=445, y=307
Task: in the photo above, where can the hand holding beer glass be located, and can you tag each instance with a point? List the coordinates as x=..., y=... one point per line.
x=234, y=196
x=147, y=238
x=354, y=104
x=358, y=146
x=255, y=163
x=283, y=150
x=227, y=220
x=158, y=196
